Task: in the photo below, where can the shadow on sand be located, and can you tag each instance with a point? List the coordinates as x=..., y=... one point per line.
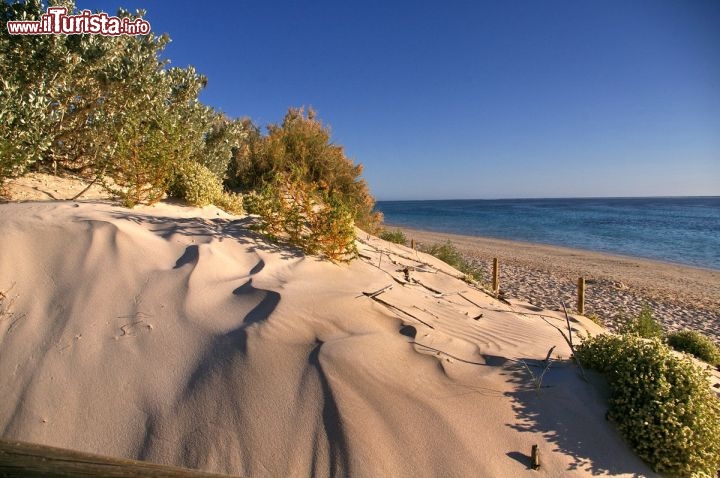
x=558, y=410
x=239, y=230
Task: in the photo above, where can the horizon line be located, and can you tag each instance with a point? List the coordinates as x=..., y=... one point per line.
x=702, y=196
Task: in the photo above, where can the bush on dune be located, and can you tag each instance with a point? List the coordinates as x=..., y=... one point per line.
x=662, y=404
x=103, y=105
x=195, y=183
x=396, y=237
x=199, y=186
x=642, y=325
x=296, y=213
x=696, y=344
x=300, y=149
x=109, y=109
x=30, y=63
x=450, y=255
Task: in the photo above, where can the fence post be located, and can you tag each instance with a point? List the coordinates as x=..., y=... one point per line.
x=535, y=457
x=581, y=296
x=496, y=276
x=412, y=244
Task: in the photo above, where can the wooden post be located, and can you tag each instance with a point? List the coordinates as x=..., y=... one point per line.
x=581, y=296
x=412, y=244
x=29, y=459
x=535, y=458
x=496, y=276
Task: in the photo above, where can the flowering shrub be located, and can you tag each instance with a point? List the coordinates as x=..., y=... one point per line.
x=199, y=186
x=196, y=184
x=662, y=404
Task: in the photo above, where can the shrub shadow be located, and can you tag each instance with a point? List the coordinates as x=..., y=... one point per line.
x=570, y=414
x=239, y=230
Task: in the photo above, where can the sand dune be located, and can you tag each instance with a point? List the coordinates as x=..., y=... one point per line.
x=176, y=335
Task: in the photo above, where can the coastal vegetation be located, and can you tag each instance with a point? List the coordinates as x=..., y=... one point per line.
x=642, y=325
x=110, y=110
x=450, y=254
x=294, y=212
x=299, y=150
x=662, y=403
x=396, y=236
x=696, y=344
x=692, y=342
x=199, y=186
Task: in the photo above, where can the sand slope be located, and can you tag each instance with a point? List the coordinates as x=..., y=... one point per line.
x=176, y=335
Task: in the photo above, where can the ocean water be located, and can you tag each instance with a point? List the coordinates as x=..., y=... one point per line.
x=680, y=230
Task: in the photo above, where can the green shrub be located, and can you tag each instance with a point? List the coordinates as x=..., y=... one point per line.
x=663, y=404
x=294, y=212
x=396, y=236
x=450, y=255
x=230, y=202
x=199, y=186
x=644, y=325
x=31, y=70
x=23, y=130
x=696, y=344
x=221, y=136
x=301, y=148
x=333, y=230
x=142, y=166
x=196, y=184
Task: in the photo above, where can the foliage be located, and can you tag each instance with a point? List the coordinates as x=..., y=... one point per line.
x=158, y=127
x=449, y=254
x=195, y=183
x=696, y=344
x=220, y=135
x=199, y=186
x=104, y=105
x=108, y=107
x=142, y=164
x=662, y=404
x=295, y=212
x=25, y=107
x=397, y=236
x=643, y=325
x=231, y=203
x=300, y=149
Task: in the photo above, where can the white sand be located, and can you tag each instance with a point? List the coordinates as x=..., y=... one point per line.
x=177, y=336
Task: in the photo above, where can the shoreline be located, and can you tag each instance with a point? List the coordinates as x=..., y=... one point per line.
x=569, y=249
x=681, y=296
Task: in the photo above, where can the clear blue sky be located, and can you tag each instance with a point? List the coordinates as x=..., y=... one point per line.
x=474, y=99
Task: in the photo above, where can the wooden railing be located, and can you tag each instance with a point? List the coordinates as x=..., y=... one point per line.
x=19, y=459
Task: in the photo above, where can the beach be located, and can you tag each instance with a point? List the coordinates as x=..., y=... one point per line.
x=616, y=286
x=178, y=336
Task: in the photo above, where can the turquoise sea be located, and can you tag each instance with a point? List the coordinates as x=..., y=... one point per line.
x=680, y=230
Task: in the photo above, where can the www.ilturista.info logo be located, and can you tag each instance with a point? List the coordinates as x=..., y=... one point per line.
x=57, y=21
